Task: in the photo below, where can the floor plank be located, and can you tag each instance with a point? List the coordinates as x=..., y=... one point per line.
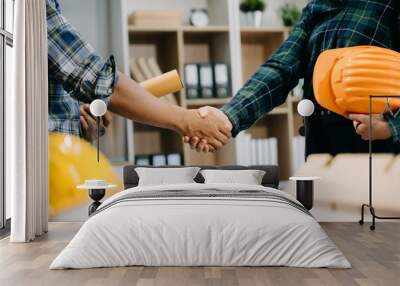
x=375, y=257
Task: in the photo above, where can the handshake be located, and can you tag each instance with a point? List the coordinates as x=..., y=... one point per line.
x=206, y=129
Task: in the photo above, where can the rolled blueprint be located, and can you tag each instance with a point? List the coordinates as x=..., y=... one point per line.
x=164, y=84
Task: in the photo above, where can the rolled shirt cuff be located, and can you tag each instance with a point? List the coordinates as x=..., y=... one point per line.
x=234, y=119
x=107, y=80
x=394, y=124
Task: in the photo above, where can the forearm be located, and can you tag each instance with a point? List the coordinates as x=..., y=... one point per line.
x=130, y=100
x=272, y=82
x=264, y=91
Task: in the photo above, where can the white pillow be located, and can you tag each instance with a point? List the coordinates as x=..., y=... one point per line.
x=166, y=176
x=247, y=177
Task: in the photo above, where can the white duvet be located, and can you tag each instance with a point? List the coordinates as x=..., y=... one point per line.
x=200, y=231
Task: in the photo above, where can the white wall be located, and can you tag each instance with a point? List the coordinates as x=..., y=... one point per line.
x=271, y=16
x=91, y=20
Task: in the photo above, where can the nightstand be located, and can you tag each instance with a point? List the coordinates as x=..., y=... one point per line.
x=97, y=190
x=305, y=190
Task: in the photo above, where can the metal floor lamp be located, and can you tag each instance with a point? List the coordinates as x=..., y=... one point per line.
x=370, y=204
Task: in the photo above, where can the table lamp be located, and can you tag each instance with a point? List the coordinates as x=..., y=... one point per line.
x=305, y=185
x=305, y=108
x=98, y=108
x=97, y=190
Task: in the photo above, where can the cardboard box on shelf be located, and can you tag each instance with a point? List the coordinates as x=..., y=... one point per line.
x=156, y=18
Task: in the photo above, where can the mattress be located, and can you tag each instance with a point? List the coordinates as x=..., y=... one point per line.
x=201, y=225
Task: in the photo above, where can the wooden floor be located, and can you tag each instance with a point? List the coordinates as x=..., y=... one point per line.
x=375, y=257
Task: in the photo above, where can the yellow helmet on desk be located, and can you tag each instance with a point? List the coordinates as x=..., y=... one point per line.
x=344, y=79
x=72, y=161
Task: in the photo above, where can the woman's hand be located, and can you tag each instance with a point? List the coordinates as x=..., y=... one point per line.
x=380, y=127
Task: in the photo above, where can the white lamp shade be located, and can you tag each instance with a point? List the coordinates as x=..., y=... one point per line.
x=305, y=108
x=98, y=108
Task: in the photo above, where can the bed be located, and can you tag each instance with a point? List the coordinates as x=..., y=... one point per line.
x=198, y=224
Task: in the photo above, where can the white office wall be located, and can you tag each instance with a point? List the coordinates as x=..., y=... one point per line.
x=90, y=17
x=271, y=16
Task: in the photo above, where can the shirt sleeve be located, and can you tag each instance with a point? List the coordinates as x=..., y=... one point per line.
x=394, y=124
x=272, y=82
x=84, y=74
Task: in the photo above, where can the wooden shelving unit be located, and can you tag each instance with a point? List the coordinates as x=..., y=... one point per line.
x=208, y=29
x=185, y=29
x=257, y=45
x=206, y=45
x=174, y=47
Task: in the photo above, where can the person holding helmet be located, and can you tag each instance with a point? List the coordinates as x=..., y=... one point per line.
x=324, y=25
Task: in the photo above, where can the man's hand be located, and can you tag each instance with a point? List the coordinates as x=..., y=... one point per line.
x=130, y=100
x=215, y=116
x=380, y=127
x=88, y=122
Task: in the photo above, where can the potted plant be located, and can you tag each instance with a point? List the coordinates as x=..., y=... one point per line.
x=290, y=14
x=253, y=10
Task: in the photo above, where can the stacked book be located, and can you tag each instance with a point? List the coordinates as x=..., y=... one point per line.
x=207, y=80
x=298, y=145
x=143, y=69
x=172, y=159
x=253, y=151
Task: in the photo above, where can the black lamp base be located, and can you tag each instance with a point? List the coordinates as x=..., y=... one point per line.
x=305, y=193
x=96, y=195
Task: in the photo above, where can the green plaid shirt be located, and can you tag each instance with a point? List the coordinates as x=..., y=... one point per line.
x=325, y=24
x=76, y=73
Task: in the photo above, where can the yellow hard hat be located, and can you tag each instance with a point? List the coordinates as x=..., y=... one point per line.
x=345, y=78
x=72, y=161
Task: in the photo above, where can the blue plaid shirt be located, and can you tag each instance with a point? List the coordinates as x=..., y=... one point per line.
x=325, y=24
x=76, y=73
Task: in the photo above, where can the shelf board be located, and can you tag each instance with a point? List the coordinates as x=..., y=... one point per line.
x=150, y=29
x=278, y=111
x=211, y=101
x=208, y=29
x=185, y=29
x=260, y=30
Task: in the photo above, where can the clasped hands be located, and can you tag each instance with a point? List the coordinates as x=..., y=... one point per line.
x=206, y=129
